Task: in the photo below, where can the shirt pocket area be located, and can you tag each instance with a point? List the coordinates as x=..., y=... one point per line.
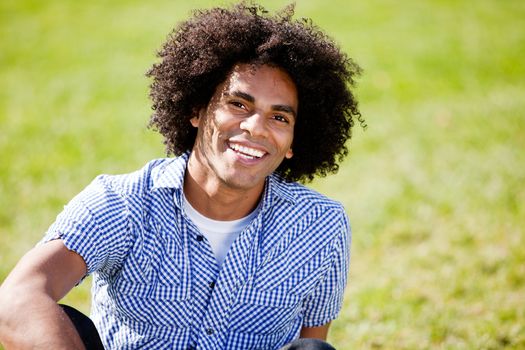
x=262, y=319
x=150, y=288
x=152, y=304
x=265, y=312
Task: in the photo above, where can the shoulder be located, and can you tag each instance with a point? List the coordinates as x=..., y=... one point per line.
x=116, y=193
x=303, y=212
x=299, y=195
x=136, y=182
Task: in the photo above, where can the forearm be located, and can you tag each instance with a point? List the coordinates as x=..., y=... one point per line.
x=33, y=321
x=29, y=315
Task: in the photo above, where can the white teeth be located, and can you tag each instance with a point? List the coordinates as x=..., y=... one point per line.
x=247, y=151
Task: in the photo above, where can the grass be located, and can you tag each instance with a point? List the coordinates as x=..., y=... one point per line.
x=434, y=187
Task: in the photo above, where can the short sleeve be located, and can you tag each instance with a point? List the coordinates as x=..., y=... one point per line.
x=325, y=303
x=94, y=224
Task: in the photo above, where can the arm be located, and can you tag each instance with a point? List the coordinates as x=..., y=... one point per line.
x=326, y=301
x=315, y=332
x=29, y=315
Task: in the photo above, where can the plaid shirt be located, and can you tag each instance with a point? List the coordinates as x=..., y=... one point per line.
x=157, y=284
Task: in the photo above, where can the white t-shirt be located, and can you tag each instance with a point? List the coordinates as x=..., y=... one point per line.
x=220, y=234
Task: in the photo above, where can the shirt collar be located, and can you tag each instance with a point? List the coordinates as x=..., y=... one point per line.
x=171, y=175
x=276, y=186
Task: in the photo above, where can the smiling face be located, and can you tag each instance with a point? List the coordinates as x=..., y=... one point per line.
x=247, y=129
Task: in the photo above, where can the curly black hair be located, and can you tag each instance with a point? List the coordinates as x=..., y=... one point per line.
x=201, y=52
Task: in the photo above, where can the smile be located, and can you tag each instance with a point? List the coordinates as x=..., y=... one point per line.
x=246, y=152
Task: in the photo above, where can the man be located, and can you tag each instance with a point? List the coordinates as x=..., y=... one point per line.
x=220, y=247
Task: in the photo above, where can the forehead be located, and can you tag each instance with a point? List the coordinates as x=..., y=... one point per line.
x=262, y=82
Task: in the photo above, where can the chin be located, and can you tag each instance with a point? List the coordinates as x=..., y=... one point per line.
x=244, y=184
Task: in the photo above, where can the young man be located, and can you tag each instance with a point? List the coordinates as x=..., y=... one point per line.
x=220, y=247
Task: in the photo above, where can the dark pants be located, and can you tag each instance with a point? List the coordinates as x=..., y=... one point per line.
x=85, y=328
x=89, y=335
x=307, y=344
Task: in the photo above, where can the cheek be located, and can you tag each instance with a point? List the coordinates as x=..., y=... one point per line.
x=209, y=128
x=216, y=135
x=227, y=126
x=286, y=139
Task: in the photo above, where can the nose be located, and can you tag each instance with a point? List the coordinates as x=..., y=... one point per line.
x=255, y=125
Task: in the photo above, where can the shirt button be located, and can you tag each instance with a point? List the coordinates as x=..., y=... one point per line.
x=209, y=331
x=212, y=285
x=200, y=238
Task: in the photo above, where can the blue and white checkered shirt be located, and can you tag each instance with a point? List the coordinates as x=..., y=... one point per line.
x=157, y=284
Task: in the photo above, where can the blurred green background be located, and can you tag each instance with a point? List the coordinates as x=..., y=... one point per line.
x=435, y=187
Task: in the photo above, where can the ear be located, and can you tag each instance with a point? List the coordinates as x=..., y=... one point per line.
x=289, y=154
x=195, y=122
x=197, y=113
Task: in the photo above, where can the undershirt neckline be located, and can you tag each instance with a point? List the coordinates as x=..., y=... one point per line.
x=220, y=234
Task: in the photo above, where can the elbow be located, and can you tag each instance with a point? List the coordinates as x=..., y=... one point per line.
x=7, y=310
x=13, y=304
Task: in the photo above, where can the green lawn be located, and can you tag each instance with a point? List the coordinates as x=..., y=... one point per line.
x=435, y=187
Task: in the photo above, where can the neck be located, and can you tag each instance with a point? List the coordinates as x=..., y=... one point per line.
x=214, y=199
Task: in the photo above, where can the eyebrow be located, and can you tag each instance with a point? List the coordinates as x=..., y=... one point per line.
x=250, y=98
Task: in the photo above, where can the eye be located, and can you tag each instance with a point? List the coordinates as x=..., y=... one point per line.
x=280, y=118
x=238, y=104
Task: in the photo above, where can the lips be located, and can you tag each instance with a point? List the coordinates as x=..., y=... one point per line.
x=245, y=151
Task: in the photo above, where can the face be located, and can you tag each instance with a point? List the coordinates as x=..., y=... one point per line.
x=247, y=129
